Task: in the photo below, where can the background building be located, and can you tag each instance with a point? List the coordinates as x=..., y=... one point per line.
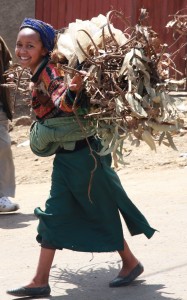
x=60, y=13
x=12, y=14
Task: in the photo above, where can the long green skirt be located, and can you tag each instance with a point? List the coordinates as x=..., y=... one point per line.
x=75, y=221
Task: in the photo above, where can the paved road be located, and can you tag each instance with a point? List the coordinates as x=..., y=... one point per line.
x=162, y=197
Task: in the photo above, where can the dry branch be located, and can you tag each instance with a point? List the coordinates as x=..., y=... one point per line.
x=127, y=82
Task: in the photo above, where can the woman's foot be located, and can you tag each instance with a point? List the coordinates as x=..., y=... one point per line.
x=128, y=267
x=30, y=291
x=36, y=284
x=128, y=278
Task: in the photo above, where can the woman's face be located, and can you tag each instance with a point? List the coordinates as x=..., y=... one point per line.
x=29, y=49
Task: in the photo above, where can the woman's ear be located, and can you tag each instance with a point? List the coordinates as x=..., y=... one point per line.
x=45, y=51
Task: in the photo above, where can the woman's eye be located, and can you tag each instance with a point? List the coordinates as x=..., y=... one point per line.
x=18, y=45
x=30, y=46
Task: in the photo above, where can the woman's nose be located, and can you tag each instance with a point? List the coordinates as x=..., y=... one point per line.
x=23, y=49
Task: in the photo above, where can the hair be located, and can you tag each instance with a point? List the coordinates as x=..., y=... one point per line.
x=46, y=31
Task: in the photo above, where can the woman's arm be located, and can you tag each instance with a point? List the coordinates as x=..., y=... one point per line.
x=61, y=95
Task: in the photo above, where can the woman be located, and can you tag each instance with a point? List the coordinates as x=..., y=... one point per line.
x=70, y=220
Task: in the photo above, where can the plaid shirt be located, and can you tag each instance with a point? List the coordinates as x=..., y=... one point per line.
x=50, y=97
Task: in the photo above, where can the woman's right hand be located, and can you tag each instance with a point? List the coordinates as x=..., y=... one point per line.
x=77, y=82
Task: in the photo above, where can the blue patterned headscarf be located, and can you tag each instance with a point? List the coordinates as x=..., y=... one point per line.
x=46, y=31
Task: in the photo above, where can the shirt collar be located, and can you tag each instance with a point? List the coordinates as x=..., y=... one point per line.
x=39, y=69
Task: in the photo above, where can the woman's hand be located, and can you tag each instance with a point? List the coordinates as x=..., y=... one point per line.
x=77, y=82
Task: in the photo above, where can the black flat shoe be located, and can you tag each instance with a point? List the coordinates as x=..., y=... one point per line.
x=124, y=281
x=32, y=292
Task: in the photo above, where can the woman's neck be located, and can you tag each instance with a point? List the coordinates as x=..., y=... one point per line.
x=33, y=71
x=39, y=68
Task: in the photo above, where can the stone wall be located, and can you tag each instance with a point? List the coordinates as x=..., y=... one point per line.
x=12, y=13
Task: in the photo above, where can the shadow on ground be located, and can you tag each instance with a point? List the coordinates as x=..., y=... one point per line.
x=92, y=284
x=15, y=220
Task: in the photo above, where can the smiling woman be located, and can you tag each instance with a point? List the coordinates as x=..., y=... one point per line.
x=70, y=220
x=29, y=49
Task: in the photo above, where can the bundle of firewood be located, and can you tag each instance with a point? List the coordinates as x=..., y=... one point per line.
x=128, y=80
x=178, y=23
x=18, y=81
x=129, y=75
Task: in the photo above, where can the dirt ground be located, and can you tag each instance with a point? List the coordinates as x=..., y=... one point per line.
x=33, y=169
x=156, y=182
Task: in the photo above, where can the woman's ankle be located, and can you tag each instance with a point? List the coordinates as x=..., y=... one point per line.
x=128, y=266
x=37, y=283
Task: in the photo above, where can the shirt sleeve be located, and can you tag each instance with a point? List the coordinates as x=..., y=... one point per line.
x=6, y=55
x=60, y=95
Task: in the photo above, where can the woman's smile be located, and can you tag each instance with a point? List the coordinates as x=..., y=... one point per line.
x=29, y=49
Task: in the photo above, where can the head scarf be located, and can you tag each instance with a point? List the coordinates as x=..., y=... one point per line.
x=46, y=31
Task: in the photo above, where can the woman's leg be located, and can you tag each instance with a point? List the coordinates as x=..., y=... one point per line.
x=41, y=277
x=129, y=261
